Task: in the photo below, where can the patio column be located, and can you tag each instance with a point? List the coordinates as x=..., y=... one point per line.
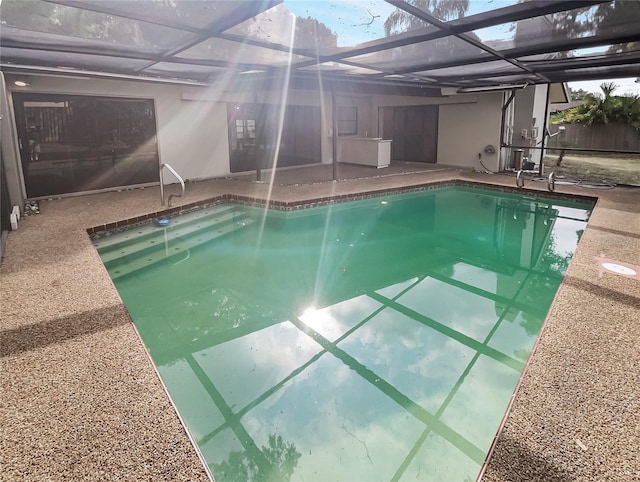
x=334, y=130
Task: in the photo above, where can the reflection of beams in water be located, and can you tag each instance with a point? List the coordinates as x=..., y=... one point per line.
x=509, y=302
x=297, y=371
x=243, y=436
x=232, y=420
x=418, y=445
x=453, y=437
x=451, y=333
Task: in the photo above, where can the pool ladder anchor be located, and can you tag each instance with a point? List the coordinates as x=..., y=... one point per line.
x=172, y=171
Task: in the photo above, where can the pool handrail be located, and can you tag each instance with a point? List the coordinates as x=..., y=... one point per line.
x=172, y=171
x=551, y=182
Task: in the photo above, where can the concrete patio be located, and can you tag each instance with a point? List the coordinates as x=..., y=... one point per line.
x=82, y=401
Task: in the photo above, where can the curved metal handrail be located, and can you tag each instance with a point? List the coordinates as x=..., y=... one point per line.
x=520, y=179
x=551, y=183
x=172, y=171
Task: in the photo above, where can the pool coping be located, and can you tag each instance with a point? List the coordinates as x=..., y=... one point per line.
x=300, y=204
x=324, y=200
x=55, y=248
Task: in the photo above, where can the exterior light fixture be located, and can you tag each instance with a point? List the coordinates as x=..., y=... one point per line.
x=21, y=83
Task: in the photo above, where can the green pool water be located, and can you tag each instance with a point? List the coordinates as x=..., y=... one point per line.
x=378, y=339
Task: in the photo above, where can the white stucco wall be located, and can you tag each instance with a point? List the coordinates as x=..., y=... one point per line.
x=465, y=129
x=192, y=135
x=192, y=121
x=467, y=124
x=529, y=104
x=539, y=109
x=294, y=97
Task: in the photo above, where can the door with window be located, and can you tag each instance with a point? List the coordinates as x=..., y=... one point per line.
x=259, y=136
x=72, y=144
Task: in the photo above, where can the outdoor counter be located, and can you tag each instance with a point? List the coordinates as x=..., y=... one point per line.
x=368, y=151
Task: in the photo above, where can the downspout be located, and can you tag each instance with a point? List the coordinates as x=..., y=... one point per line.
x=544, y=131
x=504, y=114
x=502, y=121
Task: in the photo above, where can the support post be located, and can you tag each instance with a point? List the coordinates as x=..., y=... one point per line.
x=334, y=130
x=545, y=127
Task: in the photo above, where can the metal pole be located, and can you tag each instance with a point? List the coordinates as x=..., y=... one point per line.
x=544, y=131
x=503, y=117
x=334, y=130
x=161, y=186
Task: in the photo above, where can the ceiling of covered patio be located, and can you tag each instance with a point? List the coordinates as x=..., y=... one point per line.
x=459, y=44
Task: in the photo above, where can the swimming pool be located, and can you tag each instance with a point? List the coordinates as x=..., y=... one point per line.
x=378, y=339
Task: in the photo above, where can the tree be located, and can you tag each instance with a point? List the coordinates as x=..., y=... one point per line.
x=578, y=94
x=437, y=50
x=605, y=108
x=274, y=462
x=313, y=35
x=445, y=10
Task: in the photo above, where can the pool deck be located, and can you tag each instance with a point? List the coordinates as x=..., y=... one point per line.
x=80, y=399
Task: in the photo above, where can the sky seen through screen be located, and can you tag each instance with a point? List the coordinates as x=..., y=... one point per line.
x=356, y=22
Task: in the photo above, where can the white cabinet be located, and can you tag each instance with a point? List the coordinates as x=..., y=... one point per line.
x=368, y=151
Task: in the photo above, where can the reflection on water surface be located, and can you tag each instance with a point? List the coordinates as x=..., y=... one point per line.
x=358, y=341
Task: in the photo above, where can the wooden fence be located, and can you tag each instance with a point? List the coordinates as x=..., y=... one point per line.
x=616, y=137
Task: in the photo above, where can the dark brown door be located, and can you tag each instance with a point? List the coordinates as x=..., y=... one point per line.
x=414, y=132
x=257, y=141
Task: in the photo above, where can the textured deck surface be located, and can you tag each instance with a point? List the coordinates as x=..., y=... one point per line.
x=80, y=399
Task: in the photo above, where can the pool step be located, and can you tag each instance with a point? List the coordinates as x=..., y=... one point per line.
x=146, y=237
x=150, y=231
x=175, y=241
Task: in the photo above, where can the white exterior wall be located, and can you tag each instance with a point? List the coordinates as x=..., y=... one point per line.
x=192, y=121
x=539, y=108
x=192, y=135
x=465, y=130
x=298, y=97
x=529, y=104
x=467, y=123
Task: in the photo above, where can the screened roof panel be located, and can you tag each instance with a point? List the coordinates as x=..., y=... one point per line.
x=581, y=23
x=590, y=73
x=72, y=60
x=324, y=27
x=242, y=53
x=499, y=80
x=64, y=43
x=451, y=42
x=496, y=66
x=603, y=55
x=418, y=54
x=194, y=72
x=76, y=23
x=451, y=10
x=341, y=67
x=195, y=13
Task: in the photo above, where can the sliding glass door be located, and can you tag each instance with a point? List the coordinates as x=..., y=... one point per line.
x=258, y=141
x=80, y=143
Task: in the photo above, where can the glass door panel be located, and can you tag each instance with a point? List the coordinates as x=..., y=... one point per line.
x=79, y=143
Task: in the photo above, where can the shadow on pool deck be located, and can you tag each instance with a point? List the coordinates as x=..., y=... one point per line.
x=81, y=400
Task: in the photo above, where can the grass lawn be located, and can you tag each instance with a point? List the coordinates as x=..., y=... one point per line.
x=596, y=168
